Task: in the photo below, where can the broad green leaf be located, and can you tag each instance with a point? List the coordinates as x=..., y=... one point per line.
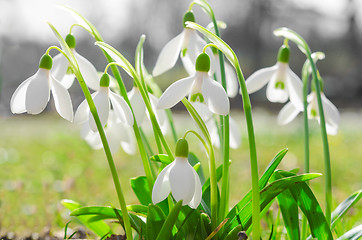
x=162, y=158
x=100, y=228
x=155, y=221
x=166, y=230
x=220, y=44
x=309, y=205
x=141, y=189
x=233, y=234
x=353, y=234
x=342, y=208
x=193, y=159
x=267, y=194
x=188, y=224
x=262, y=183
x=83, y=22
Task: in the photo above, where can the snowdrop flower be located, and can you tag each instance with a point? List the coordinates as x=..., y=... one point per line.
x=283, y=83
x=200, y=87
x=112, y=130
x=139, y=108
x=33, y=94
x=188, y=44
x=62, y=71
x=180, y=179
x=103, y=98
x=331, y=113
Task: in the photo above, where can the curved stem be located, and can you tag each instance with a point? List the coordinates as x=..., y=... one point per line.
x=78, y=25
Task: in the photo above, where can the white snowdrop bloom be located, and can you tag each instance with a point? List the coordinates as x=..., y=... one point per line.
x=33, y=94
x=283, y=83
x=199, y=87
x=188, y=45
x=62, y=71
x=331, y=113
x=103, y=98
x=232, y=84
x=117, y=133
x=180, y=179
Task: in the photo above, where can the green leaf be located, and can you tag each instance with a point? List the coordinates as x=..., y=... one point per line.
x=141, y=189
x=353, y=234
x=162, y=158
x=342, y=208
x=170, y=221
x=244, y=214
x=83, y=22
x=155, y=221
x=233, y=234
x=220, y=44
x=309, y=205
x=100, y=228
x=262, y=182
x=193, y=159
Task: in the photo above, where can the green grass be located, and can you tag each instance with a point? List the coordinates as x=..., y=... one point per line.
x=43, y=160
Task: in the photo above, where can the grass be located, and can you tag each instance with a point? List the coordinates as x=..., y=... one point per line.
x=43, y=160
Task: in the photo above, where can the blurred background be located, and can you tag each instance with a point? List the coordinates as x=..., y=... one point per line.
x=43, y=159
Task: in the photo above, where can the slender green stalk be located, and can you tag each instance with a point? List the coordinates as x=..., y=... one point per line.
x=256, y=229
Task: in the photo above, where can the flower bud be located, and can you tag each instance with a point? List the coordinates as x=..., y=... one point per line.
x=202, y=63
x=70, y=40
x=182, y=148
x=104, y=82
x=46, y=62
x=188, y=17
x=283, y=54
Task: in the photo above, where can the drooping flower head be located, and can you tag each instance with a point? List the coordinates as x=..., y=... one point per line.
x=199, y=87
x=188, y=45
x=103, y=98
x=283, y=83
x=62, y=71
x=33, y=94
x=180, y=179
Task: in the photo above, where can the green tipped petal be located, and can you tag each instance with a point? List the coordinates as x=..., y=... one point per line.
x=203, y=63
x=46, y=62
x=104, y=80
x=70, y=40
x=188, y=17
x=283, y=54
x=182, y=148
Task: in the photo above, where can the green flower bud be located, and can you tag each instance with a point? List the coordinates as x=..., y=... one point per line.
x=70, y=40
x=283, y=54
x=182, y=148
x=46, y=62
x=202, y=63
x=104, y=82
x=188, y=17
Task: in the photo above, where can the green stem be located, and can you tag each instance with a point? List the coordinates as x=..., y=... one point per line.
x=256, y=229
x=327, y=162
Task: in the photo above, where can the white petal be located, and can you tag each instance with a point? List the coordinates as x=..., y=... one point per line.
x=213, y=131
x=276, y=94
x=162, y=188
x=101, y=102
x=235, y=136
x=175, y=93
x=82, y=113
x=121, y=109
x=128, y=141
x=196, y=200
x=63, y=103
x=295, y=89
x=232, y=84
x=38, y=92
x=287, y=114
x=203, y=110
x=188, y=64
x=60, y=67
x=182, y=181
x=67, y=80
x=332, y=115
x=161, y=115
x=215, y=96
x=17, y=102
x=138, y=105
x=168, y=56
x=258, y=79
x=88, y=71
